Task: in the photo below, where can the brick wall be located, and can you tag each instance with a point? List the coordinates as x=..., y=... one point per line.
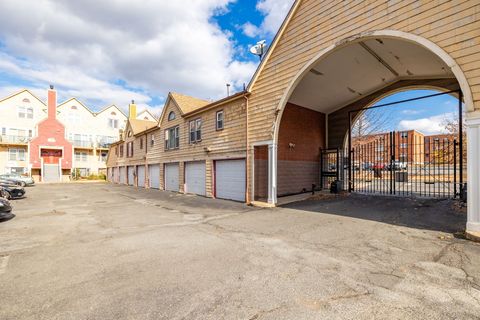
x=301, y=136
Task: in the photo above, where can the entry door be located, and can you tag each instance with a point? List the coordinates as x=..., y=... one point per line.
x=122, y=175
x=230, y=180
x=195, y=177
x=141, y=176
x=131, y=176
x=51, y=173
x=171, y=177
x=154, y=176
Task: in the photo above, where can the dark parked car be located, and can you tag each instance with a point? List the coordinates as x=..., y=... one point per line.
x=12, y=191
x=5, y=210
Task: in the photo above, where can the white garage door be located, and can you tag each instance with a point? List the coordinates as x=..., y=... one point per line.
x=195, y=177
x=154, y=175
x=141, y=176
x=130, y=170
x=171, y=176
x=230, y=179
x=116, y=175
x=122, y=175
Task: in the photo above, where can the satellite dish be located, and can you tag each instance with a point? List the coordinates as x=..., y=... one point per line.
x=259, y=49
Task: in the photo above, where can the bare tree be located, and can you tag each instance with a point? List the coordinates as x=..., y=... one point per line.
x=372, y=121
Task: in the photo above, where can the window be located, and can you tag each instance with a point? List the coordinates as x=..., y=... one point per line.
x=219, y=121
x=403, y=145
x=171, y=116
x=172, y=138
x=103, y=156
x=25, y=112
x=141, y=143
x=80, y=156
x=195, y=130
x=73, y=117
x=404, y=135
x=4, y=131
x=116, y=150
x=16, y=154
x=113, y=113
x=152, y=140
x=121, y=150
x=74, y=108
x=113, y=123
x=130, y=149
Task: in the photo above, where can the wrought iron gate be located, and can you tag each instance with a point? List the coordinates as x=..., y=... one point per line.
x=402, y=163
x=406, y=163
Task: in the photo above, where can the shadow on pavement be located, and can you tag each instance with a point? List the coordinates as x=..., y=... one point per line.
x=429, y=214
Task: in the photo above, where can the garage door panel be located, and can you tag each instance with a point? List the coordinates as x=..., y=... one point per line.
x=122, y=175
x=171, y=177
x=141, y=176
x=230, y=180
x=130, y=171
x=195, y=178
x=154, y=176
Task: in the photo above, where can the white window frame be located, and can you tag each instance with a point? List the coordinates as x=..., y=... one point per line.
x=195, y=130
x=218, y=121
x=172, y=138
x=24, y=112
x=19, y=154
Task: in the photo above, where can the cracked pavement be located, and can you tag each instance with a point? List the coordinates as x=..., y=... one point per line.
x=101, y=251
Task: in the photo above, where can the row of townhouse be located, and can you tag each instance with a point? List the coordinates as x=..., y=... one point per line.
x=196, y=147
x=87, y=133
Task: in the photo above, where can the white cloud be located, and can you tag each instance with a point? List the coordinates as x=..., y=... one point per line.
x=274, y=12
x=431, y=125
x=84, y=47
x=250, y=30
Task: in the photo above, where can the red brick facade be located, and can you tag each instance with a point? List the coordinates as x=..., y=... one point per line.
x=50, y=142
x=301, y=137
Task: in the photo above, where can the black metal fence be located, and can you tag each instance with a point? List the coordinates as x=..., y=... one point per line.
x=400, y=163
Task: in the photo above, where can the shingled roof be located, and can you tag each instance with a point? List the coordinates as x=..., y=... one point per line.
x=138, y=125
x=188, y=104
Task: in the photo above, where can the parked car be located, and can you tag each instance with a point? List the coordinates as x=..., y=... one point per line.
x=21, y=179
x=397, y=166
x=12, y=191
x=379, y=166
x=5, y=209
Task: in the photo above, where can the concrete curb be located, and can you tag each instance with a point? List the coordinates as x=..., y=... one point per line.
x=473, y=236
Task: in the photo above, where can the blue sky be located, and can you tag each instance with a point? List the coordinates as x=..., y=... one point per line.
x=113, y=51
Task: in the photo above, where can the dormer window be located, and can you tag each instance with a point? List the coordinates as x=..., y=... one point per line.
x=171, y=116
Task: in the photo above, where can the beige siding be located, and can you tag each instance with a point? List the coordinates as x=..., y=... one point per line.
x=229, y=142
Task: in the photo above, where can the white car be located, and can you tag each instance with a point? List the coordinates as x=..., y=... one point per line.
x=18, y=178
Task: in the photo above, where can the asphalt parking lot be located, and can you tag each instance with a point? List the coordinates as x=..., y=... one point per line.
x=101, y=251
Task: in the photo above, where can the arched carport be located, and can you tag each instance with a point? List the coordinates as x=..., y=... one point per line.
x=352, y=73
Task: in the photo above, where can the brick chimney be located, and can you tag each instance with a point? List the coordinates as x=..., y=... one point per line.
x=132, y=110
x=52, y=103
